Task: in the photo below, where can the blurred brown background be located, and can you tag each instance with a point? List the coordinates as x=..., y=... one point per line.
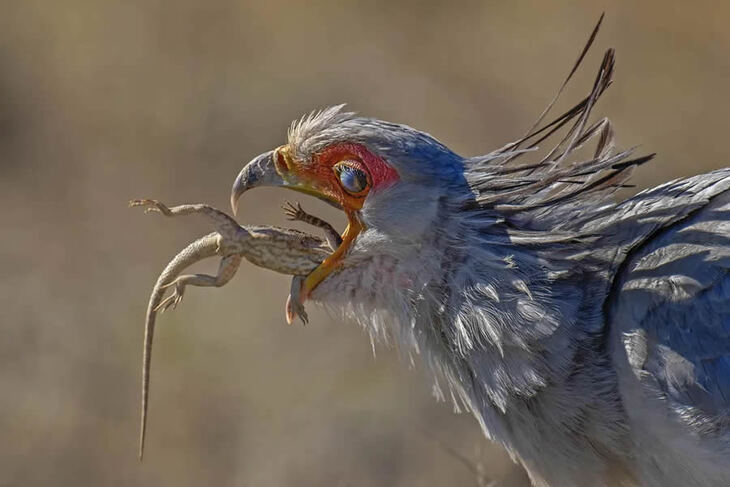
x=101, y=102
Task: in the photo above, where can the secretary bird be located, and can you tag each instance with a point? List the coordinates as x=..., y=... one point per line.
x=588, y=337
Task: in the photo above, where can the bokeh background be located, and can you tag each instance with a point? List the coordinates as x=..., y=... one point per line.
x=101, y=102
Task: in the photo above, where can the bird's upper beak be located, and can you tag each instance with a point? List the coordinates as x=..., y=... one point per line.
x=259, y=172
x=278, y=168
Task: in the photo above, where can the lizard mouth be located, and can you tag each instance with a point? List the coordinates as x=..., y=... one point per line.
x=278, y=168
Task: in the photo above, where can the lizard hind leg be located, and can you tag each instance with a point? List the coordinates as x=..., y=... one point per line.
x=226, y=270
x=224, y=224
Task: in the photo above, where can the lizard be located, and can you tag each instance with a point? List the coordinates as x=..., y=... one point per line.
x=286, y=251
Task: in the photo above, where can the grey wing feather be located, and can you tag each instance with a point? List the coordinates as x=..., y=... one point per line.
x=669, y=312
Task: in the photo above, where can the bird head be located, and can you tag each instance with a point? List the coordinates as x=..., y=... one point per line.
x=390, y=180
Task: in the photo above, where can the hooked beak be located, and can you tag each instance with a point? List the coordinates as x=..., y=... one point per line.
x=277, y=168
x=261, y=171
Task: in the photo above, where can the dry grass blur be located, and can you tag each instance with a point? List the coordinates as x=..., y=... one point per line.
x=101, y=102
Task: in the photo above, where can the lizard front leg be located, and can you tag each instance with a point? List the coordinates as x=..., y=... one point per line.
x=294, y=306
x=296, y=213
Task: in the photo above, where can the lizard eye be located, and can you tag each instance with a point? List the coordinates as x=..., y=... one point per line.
x=352, y=179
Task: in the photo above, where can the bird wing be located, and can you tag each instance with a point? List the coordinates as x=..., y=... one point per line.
x=669, y=307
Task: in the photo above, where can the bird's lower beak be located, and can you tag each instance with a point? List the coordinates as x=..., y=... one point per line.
x=277, y=168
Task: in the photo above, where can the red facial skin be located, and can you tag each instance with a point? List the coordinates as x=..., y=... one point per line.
x=318, y=177
x=322, y=176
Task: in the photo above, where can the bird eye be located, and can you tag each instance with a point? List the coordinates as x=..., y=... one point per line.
x=352, y=179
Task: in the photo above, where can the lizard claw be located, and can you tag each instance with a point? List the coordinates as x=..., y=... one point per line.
x=292, y=212
x=294, y=304
x=152, y=206
x=295, y=308
x=172, y=300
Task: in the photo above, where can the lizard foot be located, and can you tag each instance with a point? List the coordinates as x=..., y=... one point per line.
x=294, y=305
x=297, y=213
x=173, y=299
x=294, y=213
x=152, y=206
x=293, y=309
